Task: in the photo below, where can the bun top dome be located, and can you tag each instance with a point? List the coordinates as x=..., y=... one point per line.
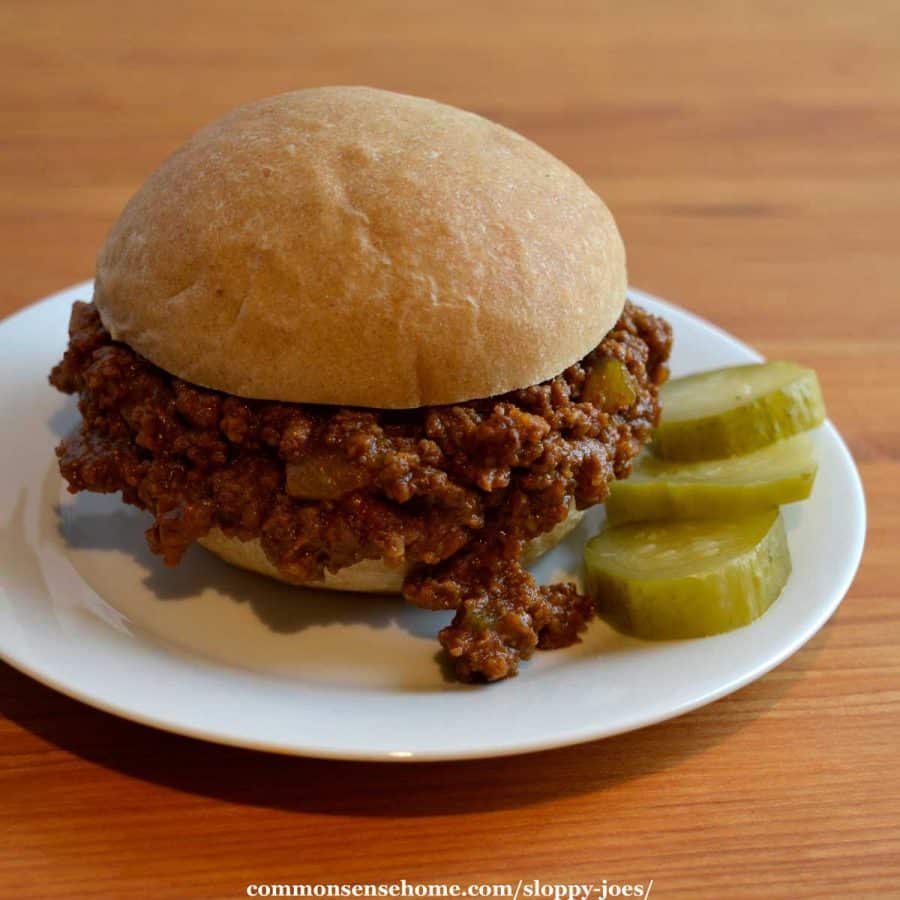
x=352, y=246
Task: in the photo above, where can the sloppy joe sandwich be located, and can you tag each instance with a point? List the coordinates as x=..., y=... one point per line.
x=365, y=341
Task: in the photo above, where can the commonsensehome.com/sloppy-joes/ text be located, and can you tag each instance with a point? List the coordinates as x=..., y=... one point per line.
x=533, y=890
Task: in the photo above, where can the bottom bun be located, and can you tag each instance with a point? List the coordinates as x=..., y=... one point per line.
x=370, y=576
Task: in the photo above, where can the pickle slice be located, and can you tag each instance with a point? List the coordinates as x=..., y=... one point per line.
x=783, y=472
x=736, y=410
x=687, y=579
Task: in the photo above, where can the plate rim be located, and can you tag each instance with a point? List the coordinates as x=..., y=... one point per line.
x=590, y=731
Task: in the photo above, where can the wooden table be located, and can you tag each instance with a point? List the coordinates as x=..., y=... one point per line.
x=751, y=152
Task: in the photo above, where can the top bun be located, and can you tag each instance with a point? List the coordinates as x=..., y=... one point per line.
x=352, y=246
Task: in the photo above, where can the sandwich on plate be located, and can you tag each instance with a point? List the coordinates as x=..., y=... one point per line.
x=365, y=341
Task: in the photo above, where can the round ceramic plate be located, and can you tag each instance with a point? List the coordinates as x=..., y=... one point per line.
x=210, y=651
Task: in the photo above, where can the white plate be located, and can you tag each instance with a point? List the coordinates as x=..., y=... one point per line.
x=217, y=653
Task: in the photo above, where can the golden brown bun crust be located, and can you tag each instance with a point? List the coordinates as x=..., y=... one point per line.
x=353, y=246
x=369, y=576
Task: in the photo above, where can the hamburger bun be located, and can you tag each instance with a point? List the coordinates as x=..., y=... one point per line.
x=357, y=247
x=369, y=576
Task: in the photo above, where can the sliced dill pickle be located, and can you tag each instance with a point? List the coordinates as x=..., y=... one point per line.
x=664, y=581
x=736, y=410
x=610, y=385
x=783, y=472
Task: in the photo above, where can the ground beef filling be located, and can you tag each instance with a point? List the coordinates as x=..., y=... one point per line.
x=451, y=493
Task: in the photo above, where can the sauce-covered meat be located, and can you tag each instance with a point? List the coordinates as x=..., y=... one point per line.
x=451, y=493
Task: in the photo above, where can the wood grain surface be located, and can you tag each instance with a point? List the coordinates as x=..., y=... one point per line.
x=751, y=153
